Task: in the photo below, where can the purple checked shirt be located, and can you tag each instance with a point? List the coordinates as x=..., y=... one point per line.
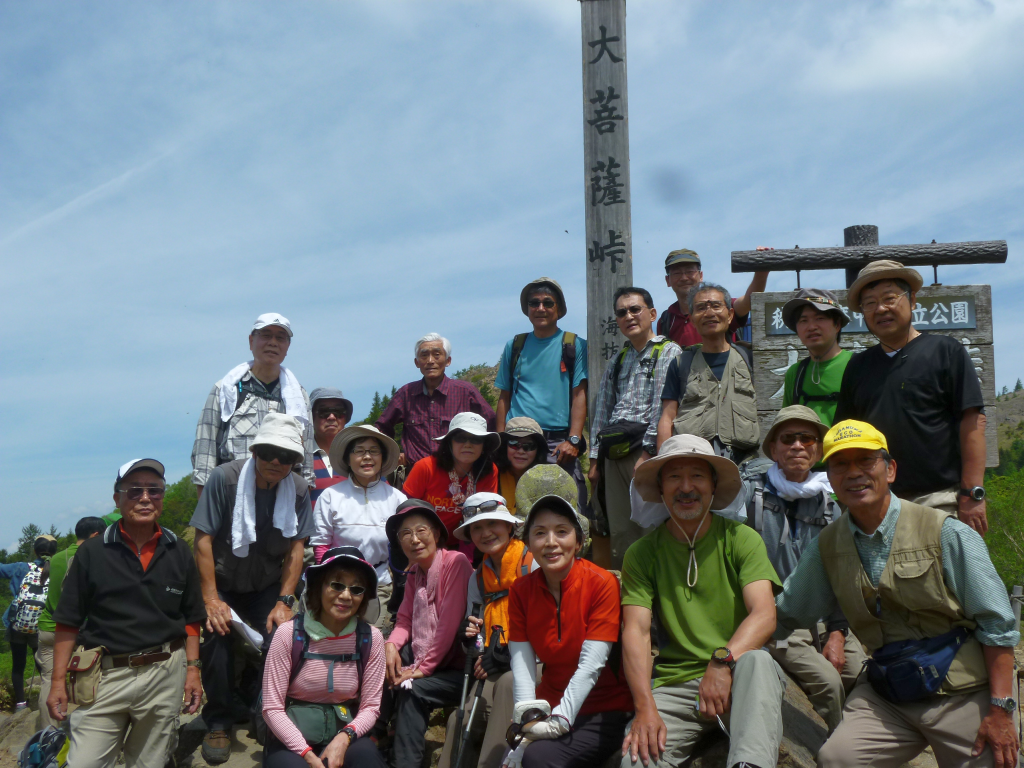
x=426, y=417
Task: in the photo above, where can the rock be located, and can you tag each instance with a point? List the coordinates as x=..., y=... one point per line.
x=16, y=730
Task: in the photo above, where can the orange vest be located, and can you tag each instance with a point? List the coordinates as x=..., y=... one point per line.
x=515, y=562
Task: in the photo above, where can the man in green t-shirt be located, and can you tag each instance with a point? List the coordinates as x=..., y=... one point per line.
x=86, y=528
x=713, y=587
x=816, y=316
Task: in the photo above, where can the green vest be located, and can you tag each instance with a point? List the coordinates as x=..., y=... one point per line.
x=726, y=409
x=914, y=601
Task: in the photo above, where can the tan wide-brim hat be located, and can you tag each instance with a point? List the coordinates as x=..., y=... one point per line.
x=543, y=282
x=389, y=461
x=882, y=270
x=689, y=447
x=793, y=413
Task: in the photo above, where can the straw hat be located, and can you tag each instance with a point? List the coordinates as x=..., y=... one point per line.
x=688, y=447
x=341, y=441
x=882, y=270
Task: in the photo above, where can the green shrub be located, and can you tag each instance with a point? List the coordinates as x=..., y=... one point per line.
x=1005, y=538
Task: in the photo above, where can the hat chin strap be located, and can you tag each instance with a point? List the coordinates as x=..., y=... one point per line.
x=691, y=566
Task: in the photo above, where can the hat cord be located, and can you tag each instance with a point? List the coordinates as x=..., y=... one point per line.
x=692, y=564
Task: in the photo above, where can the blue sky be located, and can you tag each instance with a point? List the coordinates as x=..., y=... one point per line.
x=377, y=170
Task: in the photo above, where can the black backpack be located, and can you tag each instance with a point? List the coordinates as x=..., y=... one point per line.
x=300, y=652
x=568, y=357
x=800, y=397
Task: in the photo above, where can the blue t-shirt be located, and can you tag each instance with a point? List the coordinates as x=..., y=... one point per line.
x=539, y=387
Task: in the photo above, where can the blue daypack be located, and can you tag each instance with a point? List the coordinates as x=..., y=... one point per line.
x=912, y=670
x=43, y=749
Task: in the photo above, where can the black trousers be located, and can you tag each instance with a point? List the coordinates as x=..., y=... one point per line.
x=591, y=742
x=218, y=655
x=413, y=706
x=361, y=752
x=20, y=643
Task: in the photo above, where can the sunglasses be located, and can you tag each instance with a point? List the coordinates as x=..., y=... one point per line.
x=465, y=437
x=339, y=413
x=804, y=438
x=353, y=590
x=538, y=303
x=514, y=735
x=636, y=309
x=523, y=443
x=269, y=453
x=484, y=506
x=135, y=493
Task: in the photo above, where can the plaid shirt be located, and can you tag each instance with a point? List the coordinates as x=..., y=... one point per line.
x=424, y=417
x=219, y=442
x=641, y=381
x=967, y=571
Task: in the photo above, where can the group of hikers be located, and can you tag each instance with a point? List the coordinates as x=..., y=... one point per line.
x=469, y=565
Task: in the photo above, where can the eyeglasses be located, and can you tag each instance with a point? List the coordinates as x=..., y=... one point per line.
x=354, y=590
x=135, y=493
x=841, y=466
x=476, y=509
x=804, y=438
x=538, y=303
x=886, y=302
x=280, y=338
x=523, y=443
x=514, y=735
x=465, y=437
x=323, y=413
x=421, y=532
x=269, y=454
x=634, y=310
x=704, y=306
x=359, y=453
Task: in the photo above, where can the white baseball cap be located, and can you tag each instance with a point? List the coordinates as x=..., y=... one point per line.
x=129, y=467
x=272, y=318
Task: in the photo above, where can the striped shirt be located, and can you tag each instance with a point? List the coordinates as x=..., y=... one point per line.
x=324, y=474
x=638, y=398
x=311, y=682
x=218, y=442
x=967, y=571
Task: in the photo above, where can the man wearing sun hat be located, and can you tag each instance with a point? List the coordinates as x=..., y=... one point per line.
x=238, y=403
x=817, y=318
x=789, y=504
x=712, y=584
x=915, y=582
x=251, y=524
x=922, y=392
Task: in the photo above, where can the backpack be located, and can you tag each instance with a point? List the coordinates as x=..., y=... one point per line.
x=802, y=398
x=753, y=471
x=31, y=601
x=44, y=749
x=568, y=357
x=300, y=652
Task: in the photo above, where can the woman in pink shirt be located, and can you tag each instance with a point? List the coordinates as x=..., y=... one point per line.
x=339, y=592
x=424, y=658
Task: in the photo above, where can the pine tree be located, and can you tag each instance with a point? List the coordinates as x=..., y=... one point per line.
x=1018, y=387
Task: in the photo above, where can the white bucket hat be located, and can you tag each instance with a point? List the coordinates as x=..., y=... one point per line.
x=483, y=506
x=473, y=424
x=389, y=462
x=272, y=318
x=281, y=431
x=683, y=447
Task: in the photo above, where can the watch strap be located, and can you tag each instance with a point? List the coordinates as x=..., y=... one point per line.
x=1008, y=704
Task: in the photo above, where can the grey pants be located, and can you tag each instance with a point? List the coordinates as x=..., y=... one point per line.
x=412, y=713
x=617, y=474
x=491, y=721
x=572, y=468
x=754, y=721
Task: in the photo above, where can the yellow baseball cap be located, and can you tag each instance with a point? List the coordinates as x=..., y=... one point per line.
x=853, y=434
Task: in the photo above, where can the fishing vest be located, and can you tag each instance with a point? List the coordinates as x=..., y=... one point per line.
x=911, y=602
x=265, y=561
x=494, y=590
x=726, y=409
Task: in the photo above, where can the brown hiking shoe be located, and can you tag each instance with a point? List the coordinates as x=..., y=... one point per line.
x=216, y=747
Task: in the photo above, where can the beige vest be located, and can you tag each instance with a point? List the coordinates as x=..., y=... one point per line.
x=726, y=409
x=914, y=601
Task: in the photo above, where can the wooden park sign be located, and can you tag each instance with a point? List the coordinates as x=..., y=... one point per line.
x=961, y=311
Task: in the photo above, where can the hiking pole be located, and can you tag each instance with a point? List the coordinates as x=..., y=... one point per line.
x=471, y=656
x=497, y=632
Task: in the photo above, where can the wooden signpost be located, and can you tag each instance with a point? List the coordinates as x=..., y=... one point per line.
x=609, y=244
x=961, y=311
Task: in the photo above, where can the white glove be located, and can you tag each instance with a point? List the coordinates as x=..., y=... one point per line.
x=551, y=728
x=406, y=684
x=514, y=759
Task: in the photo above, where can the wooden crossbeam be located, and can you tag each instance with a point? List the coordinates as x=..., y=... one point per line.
x=980, y=252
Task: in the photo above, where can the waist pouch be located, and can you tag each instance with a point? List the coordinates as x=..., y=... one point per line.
x=912, y=670
x=84, y=672
x=620, y=440
x=319, y=723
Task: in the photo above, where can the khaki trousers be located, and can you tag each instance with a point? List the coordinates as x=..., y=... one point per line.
x=491, y=721
x=823, y=684
x=754, y=721
x=146, y=698
x=44, y=663
x=945, y=500
x=878, y=733
x=621, y=530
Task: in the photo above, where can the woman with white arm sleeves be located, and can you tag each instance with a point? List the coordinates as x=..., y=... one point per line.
x=572, y=627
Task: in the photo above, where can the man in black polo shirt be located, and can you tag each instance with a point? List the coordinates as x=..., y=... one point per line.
x=921, y=391
x=251, y=523
x=134, y=590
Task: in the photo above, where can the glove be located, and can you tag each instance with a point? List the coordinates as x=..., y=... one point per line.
x=406, y=684
x=468, y=643
x=514, y=759
x=551, y=728
x=496, y=660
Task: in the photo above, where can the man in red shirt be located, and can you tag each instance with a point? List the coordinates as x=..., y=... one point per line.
x=682, y=273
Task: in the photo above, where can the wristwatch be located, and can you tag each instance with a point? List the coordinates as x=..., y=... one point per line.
x=194, y=663
x=350, y=732
x=574, y=440
x=977, y=492
x=1009, y=704
x=724, y=656
x=288, y=600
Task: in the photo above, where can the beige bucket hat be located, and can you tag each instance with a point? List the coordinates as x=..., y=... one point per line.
x=543, y=282
x=281, y=431
x=882, y=270
x=389, y=461
x=793, y=413
x=687, y=447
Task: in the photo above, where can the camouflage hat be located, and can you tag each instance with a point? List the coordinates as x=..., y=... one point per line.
x=551, y=483
x=820, y=299
x=682, y=256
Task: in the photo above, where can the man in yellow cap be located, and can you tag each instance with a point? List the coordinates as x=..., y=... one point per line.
x=921, y=593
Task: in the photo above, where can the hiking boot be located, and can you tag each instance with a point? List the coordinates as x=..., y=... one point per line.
x=216, y=747
x=20, y=706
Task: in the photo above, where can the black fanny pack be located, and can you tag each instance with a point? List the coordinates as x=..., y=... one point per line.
x=620, y=440
x=912, y=670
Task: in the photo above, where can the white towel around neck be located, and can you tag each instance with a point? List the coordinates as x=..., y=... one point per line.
x=291, y=393
x=815, y=483
x=243, y=521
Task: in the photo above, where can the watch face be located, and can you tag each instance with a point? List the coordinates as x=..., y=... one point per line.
x=721, y=654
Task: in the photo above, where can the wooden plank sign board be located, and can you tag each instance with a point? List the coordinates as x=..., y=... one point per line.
x=961, y=311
